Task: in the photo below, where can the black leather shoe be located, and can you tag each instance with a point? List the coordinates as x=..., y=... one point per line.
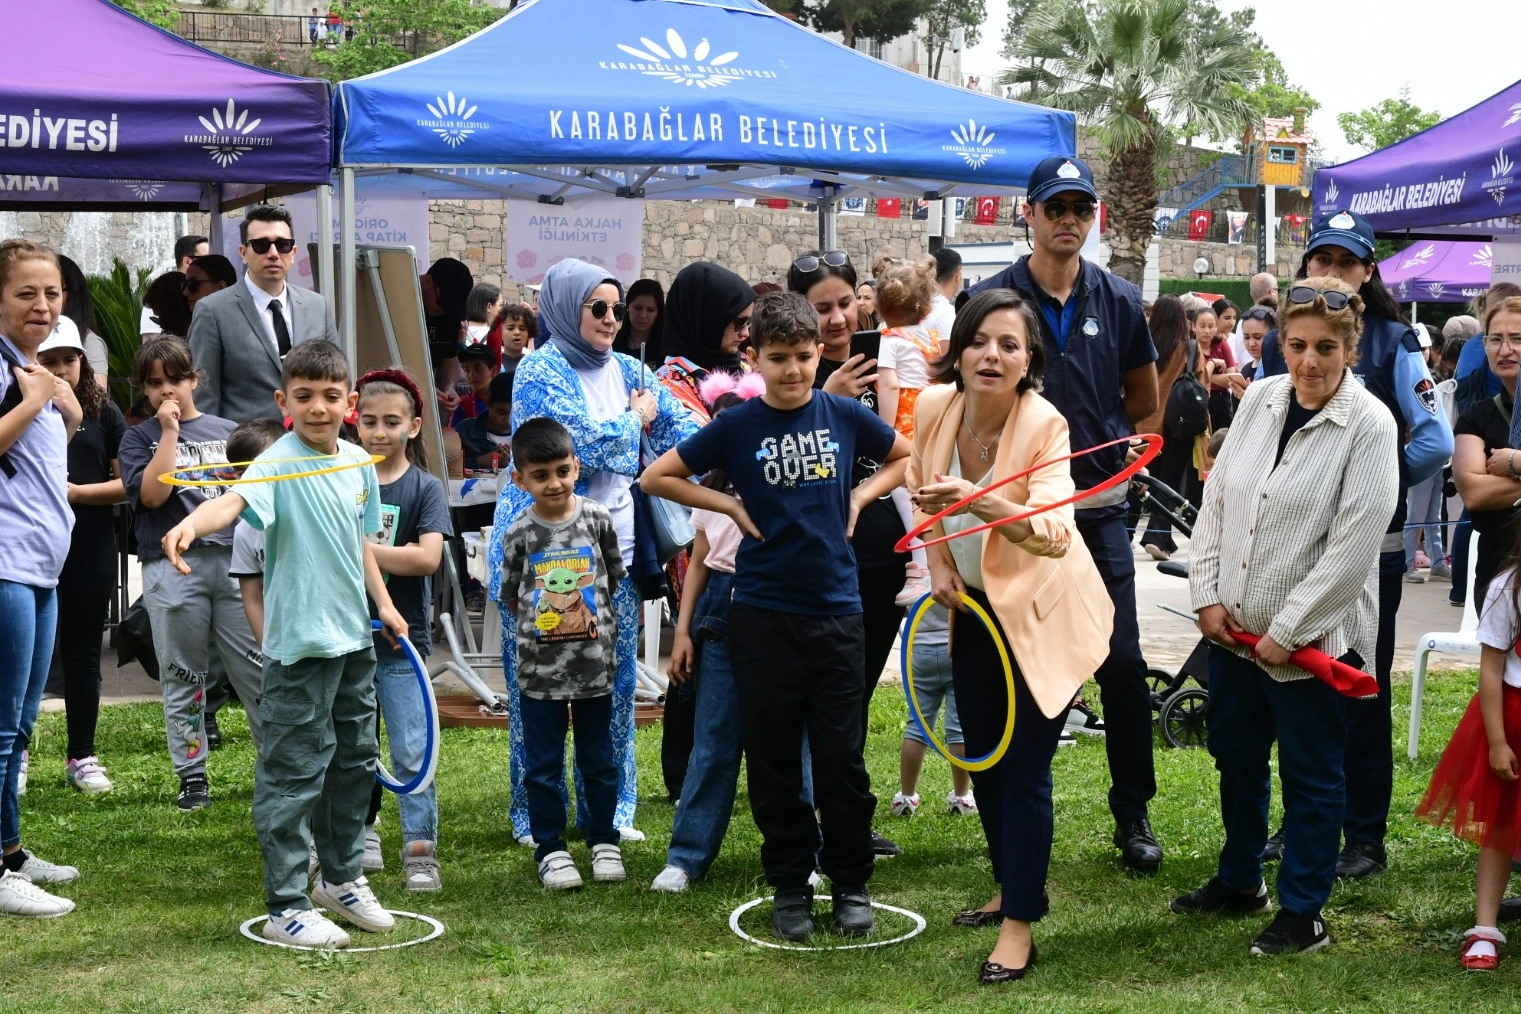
x=976, y=917
x=213, y=734
x=1510, y=910
x=852, y=911
x=1138, y=846
x=993, y=972
x=883, y=847
x=792, y=914
x=1361, y=860
x=1273, y=851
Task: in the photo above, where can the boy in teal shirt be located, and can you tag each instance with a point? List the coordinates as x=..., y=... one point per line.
x=317, y=762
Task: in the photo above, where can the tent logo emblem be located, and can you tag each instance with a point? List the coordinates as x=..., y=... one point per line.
x=973, y=143
x=452, y=119
x=1515, y=116
x=1499, y=177
x=1332, y=193
x=1484, y=258
x=1420, y=257
x=1436, y=289
x=143, y=190
x=229, y=134
x=674, y=63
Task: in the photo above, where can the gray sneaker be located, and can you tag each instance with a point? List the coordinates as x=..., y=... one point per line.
x=1441, y=572
x=419, y=867
x=374, y=858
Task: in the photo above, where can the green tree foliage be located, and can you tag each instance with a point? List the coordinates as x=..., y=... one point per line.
x=392, y=32
x=1130, y=69
x=116, y=302
x=875, y=19
x=160, y=12
x=1389, y=122
x=944, y=17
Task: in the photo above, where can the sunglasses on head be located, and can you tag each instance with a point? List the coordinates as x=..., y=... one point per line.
x=1261, y=313
x=1055, y=211
x=1303, y=294
x=599, y=308
x=809, y=263
x=261, y=246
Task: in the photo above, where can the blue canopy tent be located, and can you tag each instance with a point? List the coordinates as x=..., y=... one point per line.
x=680, y=99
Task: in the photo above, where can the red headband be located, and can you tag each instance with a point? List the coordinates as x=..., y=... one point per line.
x=395, y=377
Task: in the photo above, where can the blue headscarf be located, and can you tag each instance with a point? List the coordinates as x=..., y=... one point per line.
x=566, y=286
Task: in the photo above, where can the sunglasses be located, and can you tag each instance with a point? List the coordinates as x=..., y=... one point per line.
x=599, y=308
x=809, y=263
x=1303, y=294
x=261, y=246
x=1055, y=211
x=1261, y=313
x=741, y=323
x=194, y=284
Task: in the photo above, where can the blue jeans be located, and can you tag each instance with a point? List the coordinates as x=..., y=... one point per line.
x=400, y=702
x=1248, y=709
x=707, y=794
x=1424, y=507
x=544, y=726
x=932, y=688
x=28, y=620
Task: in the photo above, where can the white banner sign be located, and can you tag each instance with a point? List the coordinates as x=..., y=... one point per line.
x=1506, y=263
x=608, y=232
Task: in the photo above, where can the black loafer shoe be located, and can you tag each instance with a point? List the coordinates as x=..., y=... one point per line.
x=977, y=918
x=993, y=972
x=792, y=914
x=1272, y=852
x=1138, y=846
x=1510, y=910
x=1361, y=860
x=852, y=911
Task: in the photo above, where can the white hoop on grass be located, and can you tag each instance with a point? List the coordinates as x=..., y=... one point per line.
x=437, y=931
x=918, y=919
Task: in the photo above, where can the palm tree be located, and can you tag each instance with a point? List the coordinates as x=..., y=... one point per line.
x=1130, y=69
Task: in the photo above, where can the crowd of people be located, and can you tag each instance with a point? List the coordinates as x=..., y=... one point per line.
x=808, y=427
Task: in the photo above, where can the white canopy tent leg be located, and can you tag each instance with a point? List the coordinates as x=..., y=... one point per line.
x=324, y=243
x=348, y=269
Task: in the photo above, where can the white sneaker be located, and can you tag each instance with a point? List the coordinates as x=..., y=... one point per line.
x=815, y=880
x=304, y=927
x=26, y=762
x=962, y=806
x=1414, y=576
x=419, y=867
x=86, y=775
x=672, y=880
x=355, y=903
x=630, y=834
x=915, y=588
x=905, y=806
x=40, y=871
x=607, y=864
x=374, y=860
x=525, y=839
x=557, y=871
x=313, y=864
x=20, y=897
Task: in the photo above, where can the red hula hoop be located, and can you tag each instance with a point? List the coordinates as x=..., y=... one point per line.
x=1153, y=448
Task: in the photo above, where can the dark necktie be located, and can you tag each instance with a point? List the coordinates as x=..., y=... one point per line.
x=282, y=333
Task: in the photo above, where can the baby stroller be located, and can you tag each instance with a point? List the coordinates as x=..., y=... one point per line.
x=1180, y=708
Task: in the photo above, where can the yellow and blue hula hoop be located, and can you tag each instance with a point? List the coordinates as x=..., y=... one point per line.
x=172, y=477
x=906, y=649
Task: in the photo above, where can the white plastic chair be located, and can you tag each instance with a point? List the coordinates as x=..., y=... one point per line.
x=1462, y=642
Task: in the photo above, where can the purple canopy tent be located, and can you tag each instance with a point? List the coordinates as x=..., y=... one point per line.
x=1460, y=177
x=1438, y=271
x=116, y=113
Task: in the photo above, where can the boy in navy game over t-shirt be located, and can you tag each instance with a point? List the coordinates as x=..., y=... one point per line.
x=795, y=633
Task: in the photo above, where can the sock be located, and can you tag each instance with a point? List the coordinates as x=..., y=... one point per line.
x=16, y=860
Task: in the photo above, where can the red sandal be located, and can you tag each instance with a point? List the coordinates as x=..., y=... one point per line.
x=1472, y=962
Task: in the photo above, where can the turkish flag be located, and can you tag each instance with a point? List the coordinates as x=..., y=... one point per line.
x=779, y=203
x=1198, y=224
x=987, y=210
x=1344, y=679
x=889, y=207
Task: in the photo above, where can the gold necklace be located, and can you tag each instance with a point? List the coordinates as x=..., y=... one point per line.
x=983, y=448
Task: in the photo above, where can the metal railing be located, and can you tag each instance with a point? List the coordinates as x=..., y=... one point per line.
x=226, y=27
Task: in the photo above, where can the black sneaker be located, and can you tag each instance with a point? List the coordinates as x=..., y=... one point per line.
x=1362, y=859
x=884, y=847
x=1138, y=846
x=213, y=734
x=852, y=911
x=194, y=793
x=1216, y=897
x=1291, y=933
x=1272, y=852
x=792, y=914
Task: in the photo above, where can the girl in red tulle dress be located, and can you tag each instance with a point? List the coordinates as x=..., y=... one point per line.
x=1475, y=786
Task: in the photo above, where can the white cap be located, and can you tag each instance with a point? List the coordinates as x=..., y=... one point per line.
x=1422, y=335
x=65, y=336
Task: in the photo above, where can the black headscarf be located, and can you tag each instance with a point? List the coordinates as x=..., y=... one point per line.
x=452, y=283
x=702, y=302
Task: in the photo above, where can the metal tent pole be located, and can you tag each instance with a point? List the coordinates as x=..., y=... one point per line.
x=325, y=242
x=348, y=269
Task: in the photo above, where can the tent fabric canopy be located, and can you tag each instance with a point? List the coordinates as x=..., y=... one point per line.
x=1438, y=271
x=117, y=112
x=1463, y=172
x=681, y=98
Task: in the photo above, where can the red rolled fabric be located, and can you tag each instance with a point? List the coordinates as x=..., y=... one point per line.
x=1344, y=679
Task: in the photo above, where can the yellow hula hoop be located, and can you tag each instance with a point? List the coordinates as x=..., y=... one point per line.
x=968, y=763
x=172, y=478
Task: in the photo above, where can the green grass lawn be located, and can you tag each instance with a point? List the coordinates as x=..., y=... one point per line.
x=162, y=895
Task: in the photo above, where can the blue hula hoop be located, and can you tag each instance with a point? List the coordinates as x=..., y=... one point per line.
x=424, y=776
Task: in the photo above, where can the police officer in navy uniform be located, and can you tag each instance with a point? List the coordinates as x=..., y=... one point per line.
x=1392, y=367
x=1101, y=374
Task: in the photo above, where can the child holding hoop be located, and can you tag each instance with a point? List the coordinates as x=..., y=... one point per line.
x=188, y=610
x=1475, y=785
x=414, y=513
x=317, y=758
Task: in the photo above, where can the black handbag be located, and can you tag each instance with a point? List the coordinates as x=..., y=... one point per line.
x=133, y=639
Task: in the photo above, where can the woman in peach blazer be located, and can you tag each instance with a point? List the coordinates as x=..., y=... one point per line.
x=984, y=421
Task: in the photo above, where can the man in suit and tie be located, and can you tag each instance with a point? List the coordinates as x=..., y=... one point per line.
x=240, y=335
